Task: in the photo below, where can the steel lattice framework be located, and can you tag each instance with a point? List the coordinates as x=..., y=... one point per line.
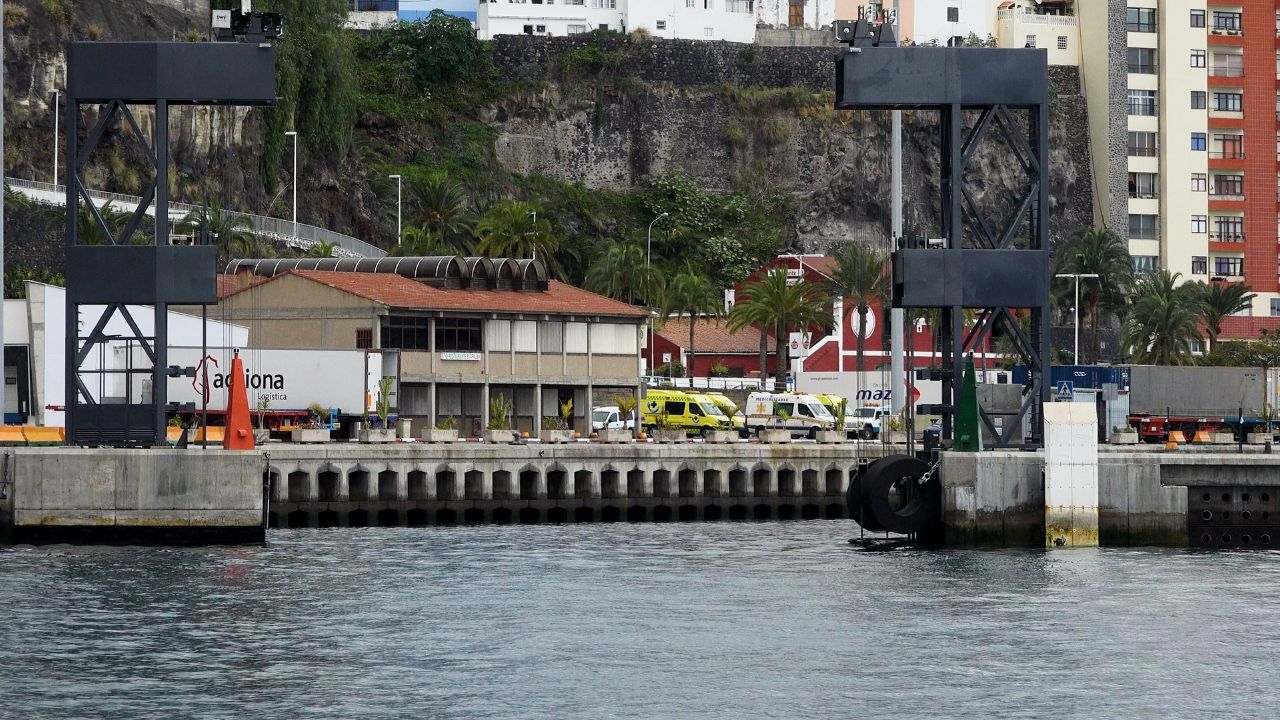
x=996, y=267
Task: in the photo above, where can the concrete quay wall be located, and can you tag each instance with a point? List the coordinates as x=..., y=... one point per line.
x=134, y=495
x=417, y=484
x=997, y=498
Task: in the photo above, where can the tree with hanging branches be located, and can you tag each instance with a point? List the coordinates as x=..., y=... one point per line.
x=1163, y=321
x=773, y=303
x=860, y=276
x=691, y=293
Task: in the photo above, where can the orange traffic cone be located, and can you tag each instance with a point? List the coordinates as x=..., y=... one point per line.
x=239, y=433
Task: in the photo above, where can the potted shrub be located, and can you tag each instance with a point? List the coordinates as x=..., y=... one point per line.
x=314, y=430
x=261, y=434
x=378, y=430
x=445, y=431
x=837, y=432
x=626, y=406
x=499, y=429
x=557, y=429
x=777, y=434
x=896, y=433
x=1123, y=435
x=666, y=432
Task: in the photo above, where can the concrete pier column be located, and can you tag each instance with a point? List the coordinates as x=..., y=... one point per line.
x=402, y=482
x=344, y=485
x=1070, y=475
x=477, y=485
x=280, y=485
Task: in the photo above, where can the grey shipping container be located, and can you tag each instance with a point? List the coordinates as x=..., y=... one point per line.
x=1199, y=391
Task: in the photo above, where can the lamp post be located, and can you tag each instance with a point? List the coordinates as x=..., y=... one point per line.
x=648, y=283
x=293, y=134
x=399, y=205
x=1075, y=356
x=57, y=106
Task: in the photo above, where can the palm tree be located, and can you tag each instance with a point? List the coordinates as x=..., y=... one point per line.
x=691, y=292
x=622, y=273
x=1163, y=321
x=772, y=302
x=420, y=242
x=231, y=232
x=1101, y=252
x=440, y=205
x=1217, y=301
x=322, y=249
x=511, y=228
x=859, y=276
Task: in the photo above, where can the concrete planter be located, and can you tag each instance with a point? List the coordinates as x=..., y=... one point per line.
x=774, y=435
x=670, y=436
x=440, y=436
x=261, y=436
x=721, y=436
x=310, y=435
x=831, y=437
x=1124, y=438
x=500, y=436
x=379, y=435
x=894, y=437
x=616, y=435
x=556, y=436
x=404, y=428
x=1261, y=438
x=1222, y=438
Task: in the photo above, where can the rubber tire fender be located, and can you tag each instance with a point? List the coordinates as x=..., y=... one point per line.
x=859, y=510
x=920, y=512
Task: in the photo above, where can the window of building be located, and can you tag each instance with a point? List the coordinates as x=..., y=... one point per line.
x=1062, y=42
x=1198, y=99
x=1142, y=60
x=1142, y=102
x=1275, y=307
x=795, y=14
x=1228, y=266
x=1227, y=21
x=1199, y=265
x=1228, y=185
x=1228, y=229
x=1145, y=264
x=1144, y=227
x=1142, y=20
x=1228, y=102
x=576, y=29
x=1198, y=58
x=406, y=333
x=1227, y=65
x=1197, y=18
x=1142, y=185
x=1143, y=144
x=1199, y=182
x=708, y=32
x=953, y=14
x=1199, y=224
x=458, y=335
x=604, y=4
x=364, y=338
x=1199, y=141
x=662, y=24
x=1228, y=146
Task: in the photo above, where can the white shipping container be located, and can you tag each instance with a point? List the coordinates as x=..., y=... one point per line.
x=289, y=379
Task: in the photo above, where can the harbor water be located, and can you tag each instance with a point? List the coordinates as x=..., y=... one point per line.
x=709, y=620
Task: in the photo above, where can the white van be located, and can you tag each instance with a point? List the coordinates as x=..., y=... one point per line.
x=800, y=413
x=609, y=417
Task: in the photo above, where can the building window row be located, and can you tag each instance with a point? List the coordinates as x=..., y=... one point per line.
x=1143, y=185
x=1142, y=102
x=1143, y=143
x=1228, y=146
x=1142, y=20
x=1199, y=224
x=1199, y=265
x=1199, y=182
x=1144, y=227
x=1228, y=102
x=1228, y=229
x=1228, y=266
x=1229, y=185
x=1199, y=141
x=1225, y=21
x=1197, y=18
x=1145, y=264
x=1198, y=101
x=1142, y=61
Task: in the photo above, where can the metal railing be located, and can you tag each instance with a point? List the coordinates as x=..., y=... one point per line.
x=714, y=383
x=1231, y=237
x=1142, y=69
x=1226, y=71
x=1226, y=154
x=1143, y=151
x=278, y=229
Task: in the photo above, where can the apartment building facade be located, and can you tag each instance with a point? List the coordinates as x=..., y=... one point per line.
x=731, y=20
x=1183, y=122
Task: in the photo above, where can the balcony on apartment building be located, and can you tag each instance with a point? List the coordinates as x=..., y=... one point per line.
x=1226, y=71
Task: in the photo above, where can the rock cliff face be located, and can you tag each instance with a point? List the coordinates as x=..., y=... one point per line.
x=681, y=105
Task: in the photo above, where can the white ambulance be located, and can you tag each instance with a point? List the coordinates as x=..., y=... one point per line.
x=800, y=413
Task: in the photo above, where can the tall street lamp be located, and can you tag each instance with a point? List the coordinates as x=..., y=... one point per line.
x=1075, y=357
x=293, y=134
x=57, y=106
x=399, y=204
x=648, y=283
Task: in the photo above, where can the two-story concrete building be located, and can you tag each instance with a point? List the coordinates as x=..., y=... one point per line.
x=732, y=20
x=465, y=330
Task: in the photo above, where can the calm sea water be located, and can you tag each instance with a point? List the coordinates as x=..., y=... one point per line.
x=719, y=620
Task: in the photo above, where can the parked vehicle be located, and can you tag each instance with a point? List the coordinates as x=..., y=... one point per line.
x=1199, y=399
x=865, y=422
x=609, y=417
x=694, y=413
x=800, y=413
